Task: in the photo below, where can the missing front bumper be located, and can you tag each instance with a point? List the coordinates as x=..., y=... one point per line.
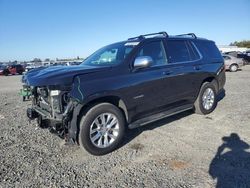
x=32, y=114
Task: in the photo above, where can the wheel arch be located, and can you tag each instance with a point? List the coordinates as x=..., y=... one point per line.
x=115, y=100
x=233, y=65
x=211, y=79
x=82, y=109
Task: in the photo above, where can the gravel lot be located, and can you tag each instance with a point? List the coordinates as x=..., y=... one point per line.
x=185, y=150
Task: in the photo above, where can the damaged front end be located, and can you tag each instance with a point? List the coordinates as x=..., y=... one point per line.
x=52, y=107
x=57, y=97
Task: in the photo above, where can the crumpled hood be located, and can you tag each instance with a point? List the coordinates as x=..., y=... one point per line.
x=57, y=75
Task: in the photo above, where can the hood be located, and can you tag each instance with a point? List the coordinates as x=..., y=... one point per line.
x=57, y=75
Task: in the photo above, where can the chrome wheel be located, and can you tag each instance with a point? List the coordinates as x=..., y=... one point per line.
x=208, y=99
x=233, y=68
x=104, y=130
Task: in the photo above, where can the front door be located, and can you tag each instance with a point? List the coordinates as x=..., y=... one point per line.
x=147, y=93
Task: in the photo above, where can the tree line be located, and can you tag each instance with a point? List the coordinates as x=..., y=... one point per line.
x=244, y=43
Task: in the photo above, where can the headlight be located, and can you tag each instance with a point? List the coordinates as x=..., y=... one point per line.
x=42, y=91
x=55, y=101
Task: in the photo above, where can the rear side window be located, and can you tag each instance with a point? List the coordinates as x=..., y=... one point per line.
x=181, y=51
x=209, y=50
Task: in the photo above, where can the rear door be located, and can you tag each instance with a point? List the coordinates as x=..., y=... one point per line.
x=180, y=80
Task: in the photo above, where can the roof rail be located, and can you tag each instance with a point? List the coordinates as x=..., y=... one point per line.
x=188, y=34
x=141, y=37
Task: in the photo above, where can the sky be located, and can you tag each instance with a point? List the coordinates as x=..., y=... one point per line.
x=70, y=28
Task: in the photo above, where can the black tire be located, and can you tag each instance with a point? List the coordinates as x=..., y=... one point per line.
x=233, y=68
x=85, y=126
x=6, y=73
x=41, y=122
x=198, y=105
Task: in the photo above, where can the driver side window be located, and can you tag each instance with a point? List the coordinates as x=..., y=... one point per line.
x=108, y=56
x=156, y=51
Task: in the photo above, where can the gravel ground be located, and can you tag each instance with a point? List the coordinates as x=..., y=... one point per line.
x=186, y=150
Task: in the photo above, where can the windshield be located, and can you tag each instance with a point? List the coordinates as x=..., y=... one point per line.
x=110, y=55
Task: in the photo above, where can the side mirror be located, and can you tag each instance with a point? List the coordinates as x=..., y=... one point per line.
x=143, y=62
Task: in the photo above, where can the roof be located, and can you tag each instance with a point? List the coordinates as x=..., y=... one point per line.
x=164, y=34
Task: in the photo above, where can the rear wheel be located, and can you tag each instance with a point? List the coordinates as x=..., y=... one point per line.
x=233, y=68
x=102, y=129
x=206, y=101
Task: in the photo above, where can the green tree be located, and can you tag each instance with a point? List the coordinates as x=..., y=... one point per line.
x=244, y=43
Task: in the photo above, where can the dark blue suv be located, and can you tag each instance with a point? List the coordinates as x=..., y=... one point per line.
x=126, y=84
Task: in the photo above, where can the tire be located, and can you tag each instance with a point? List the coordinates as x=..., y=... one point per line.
x=6, y=73
x=41, y=122
x=233, y=68
x=200, y=106
x=96, y=145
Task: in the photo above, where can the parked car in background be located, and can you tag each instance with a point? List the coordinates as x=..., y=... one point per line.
x=31, y=67
x=2, y=67
x=12, y=69
x=246, y=57
x=234, y=54
x=232, y=63
x=73, y=63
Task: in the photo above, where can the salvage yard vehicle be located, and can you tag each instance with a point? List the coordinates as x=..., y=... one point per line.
x=12, y=69
x=2, y=68
x=126, y=85
x=232, y=63
x=31, y=66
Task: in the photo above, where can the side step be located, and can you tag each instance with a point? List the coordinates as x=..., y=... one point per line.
x=161, y=115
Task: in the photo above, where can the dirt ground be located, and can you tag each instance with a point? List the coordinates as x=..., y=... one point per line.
x=185, y=150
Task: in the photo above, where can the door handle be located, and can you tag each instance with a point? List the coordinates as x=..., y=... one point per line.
x=197, y=67
x=167, y=72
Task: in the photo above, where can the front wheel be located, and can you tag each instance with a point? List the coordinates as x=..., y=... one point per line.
x=206, y=101
x=102, y=129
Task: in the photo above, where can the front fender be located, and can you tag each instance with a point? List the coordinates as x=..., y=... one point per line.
x=84, y=91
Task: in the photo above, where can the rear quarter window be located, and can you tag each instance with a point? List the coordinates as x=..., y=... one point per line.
x=209, y=50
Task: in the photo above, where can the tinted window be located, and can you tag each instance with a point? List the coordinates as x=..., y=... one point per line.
x=178, y=51
x=193, y=51
x=209, y=49
x=156, y=51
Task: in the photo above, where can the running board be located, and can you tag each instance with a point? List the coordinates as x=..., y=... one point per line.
x=155, y=117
